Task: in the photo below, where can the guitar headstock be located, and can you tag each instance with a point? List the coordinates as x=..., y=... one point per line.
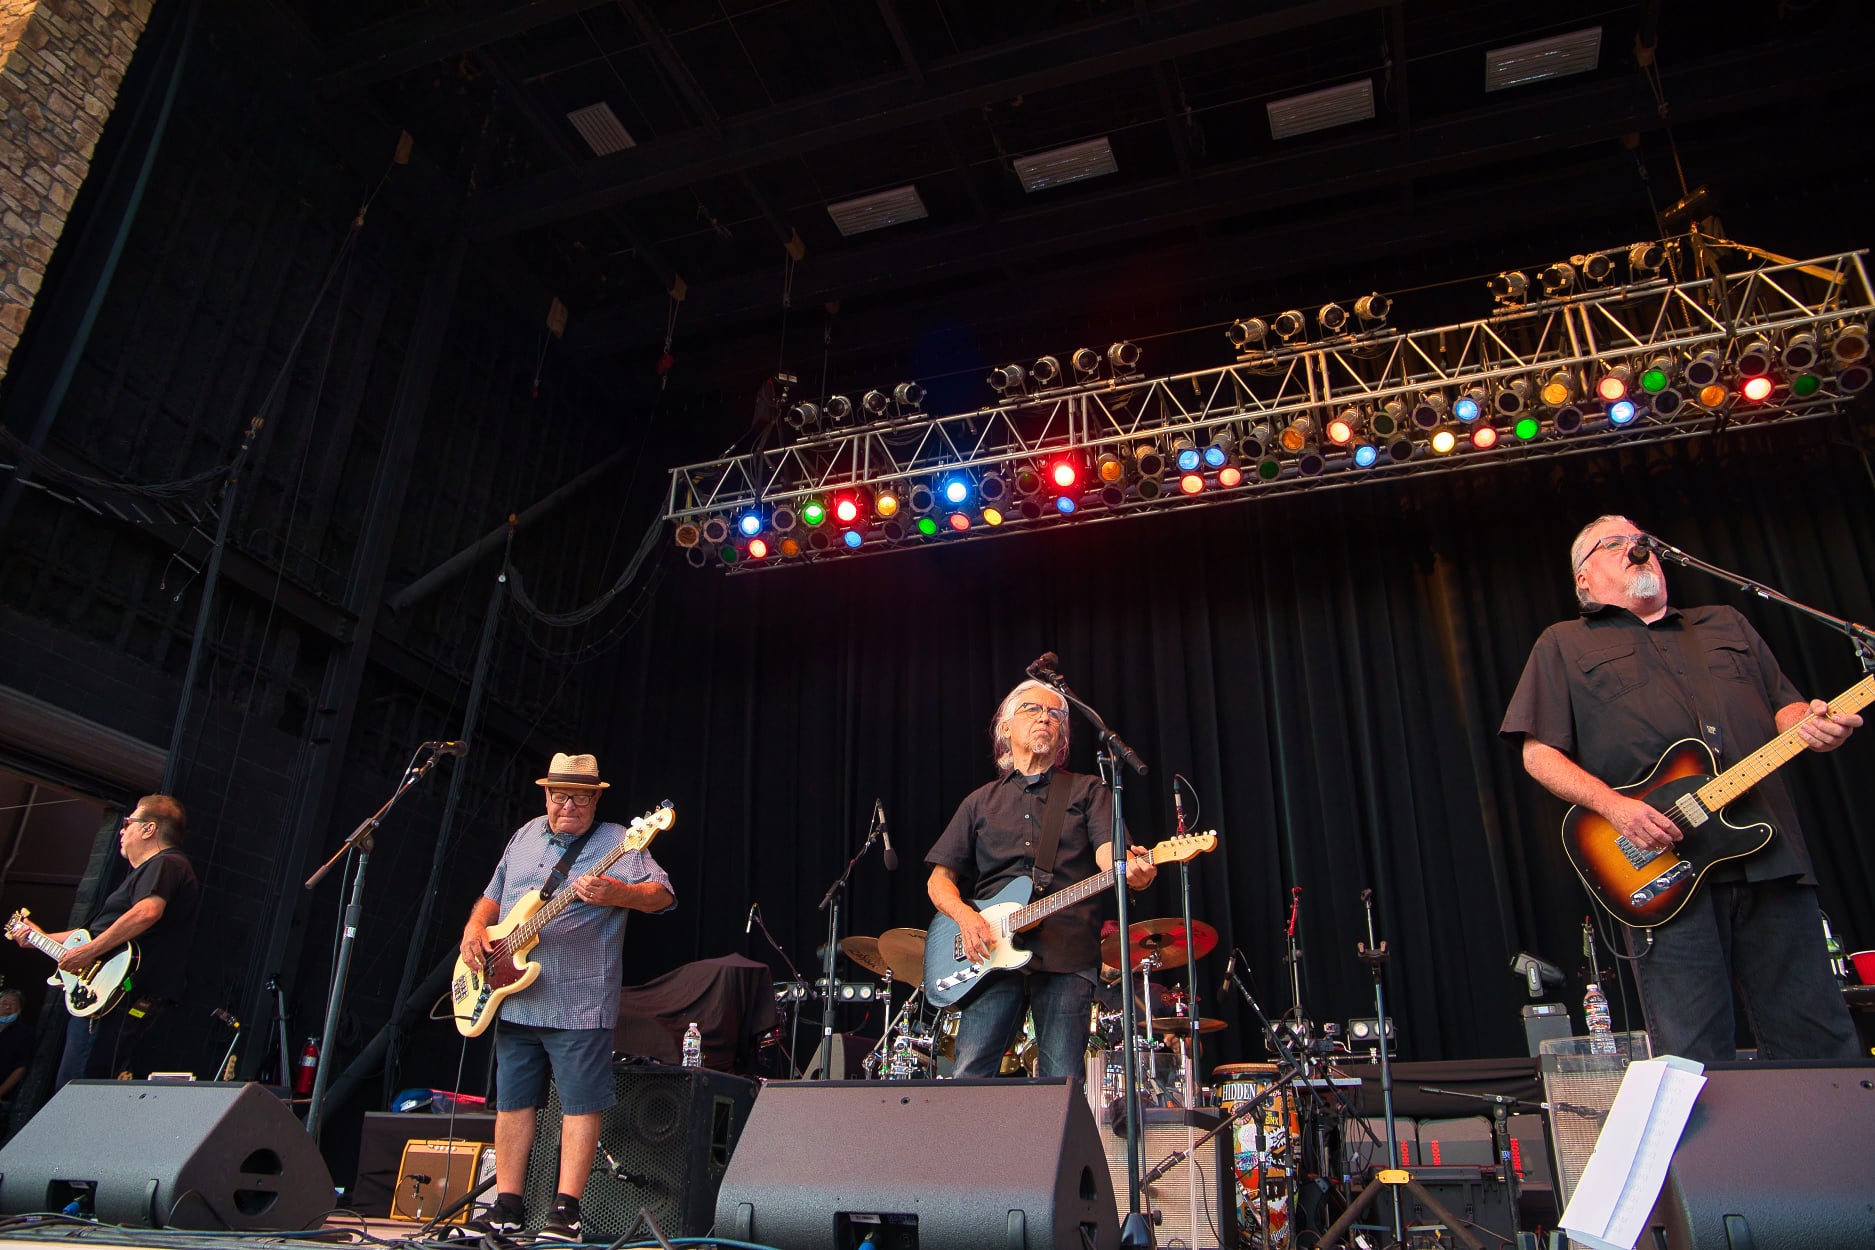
x=1185, y=846
x=644, y=828
x=17, y=922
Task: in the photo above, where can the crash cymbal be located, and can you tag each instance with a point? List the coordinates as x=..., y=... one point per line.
x=864, y=951
x=903, y=950
x=1168, y=1025
x=1165, y=938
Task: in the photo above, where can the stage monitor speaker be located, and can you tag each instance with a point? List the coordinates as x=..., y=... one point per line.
x=663, y=1146
x=920, y=1165
x=181, y=1154
x=1774, y=1157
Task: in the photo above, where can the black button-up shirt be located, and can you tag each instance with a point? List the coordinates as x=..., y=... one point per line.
x=1611, y=692
x=992, y=840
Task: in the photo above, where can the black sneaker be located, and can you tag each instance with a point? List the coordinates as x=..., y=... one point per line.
x=501, y=1221
x=562, y=1222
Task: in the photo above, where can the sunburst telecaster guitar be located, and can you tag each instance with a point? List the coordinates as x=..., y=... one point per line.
x=93, y=991
x=1647, y=888
x=478, y=991
x=950, y=975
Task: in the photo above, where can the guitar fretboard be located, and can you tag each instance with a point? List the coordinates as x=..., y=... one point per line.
x=1774, y=754
x=641, y=832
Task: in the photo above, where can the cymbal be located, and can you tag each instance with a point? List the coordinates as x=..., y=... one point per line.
x=903, y=950
x=864, y=951
x=1170, y=1025
x=1165, y=938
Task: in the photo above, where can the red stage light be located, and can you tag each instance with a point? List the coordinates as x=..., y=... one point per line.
x=846, y=509
x=1191, y=483
x=1064, y=474
x=1757, y=389
x=1230, y=475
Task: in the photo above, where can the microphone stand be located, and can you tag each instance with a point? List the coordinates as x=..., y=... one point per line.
x=1501, y=1138
x=830, y=903
x=359, y=839
x=1861, y=637
x=794, y=1007
x=1135, y=1229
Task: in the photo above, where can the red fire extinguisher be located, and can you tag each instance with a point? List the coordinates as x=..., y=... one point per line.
x=308, y=1068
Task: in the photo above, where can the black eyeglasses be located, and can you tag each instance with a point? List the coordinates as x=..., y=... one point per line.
x=1611, y=543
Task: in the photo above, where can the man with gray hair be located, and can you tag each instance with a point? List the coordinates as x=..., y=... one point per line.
x=1601, y=700
x=1001, y=831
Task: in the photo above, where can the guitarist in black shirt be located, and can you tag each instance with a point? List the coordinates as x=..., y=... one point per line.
x=155, y=907
x=1601, y=699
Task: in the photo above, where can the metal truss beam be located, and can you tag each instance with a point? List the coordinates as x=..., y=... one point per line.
x=1297, y=386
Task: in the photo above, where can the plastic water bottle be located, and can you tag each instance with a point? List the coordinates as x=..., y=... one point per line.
x=693, y=1045
x=1601, y=1026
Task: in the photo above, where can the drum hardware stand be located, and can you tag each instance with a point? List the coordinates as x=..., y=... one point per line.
x=830, y=903
x=1135, y=1228
x=880, y=1055
x=1392, y=1179
x=1192, y=1056
x=1500, y=1136
x=794, y=1002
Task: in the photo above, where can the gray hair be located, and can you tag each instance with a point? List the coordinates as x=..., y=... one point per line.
x=999, y=740
x=1580, y=549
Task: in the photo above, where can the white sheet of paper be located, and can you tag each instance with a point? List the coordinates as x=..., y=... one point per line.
x=1622, y=1178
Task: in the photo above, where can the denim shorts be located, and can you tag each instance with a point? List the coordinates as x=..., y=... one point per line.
x=580, y=1059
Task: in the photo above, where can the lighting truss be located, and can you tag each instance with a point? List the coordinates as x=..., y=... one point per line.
x=1273, y=409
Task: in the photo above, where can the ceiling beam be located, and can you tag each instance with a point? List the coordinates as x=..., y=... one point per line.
x=951, y=85
x=1542, y=123
x=396, y=47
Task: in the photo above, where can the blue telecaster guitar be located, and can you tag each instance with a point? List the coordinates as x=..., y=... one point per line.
x=950, y=976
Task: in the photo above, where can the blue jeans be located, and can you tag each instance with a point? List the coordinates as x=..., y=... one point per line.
x=991, y=1017
x=1768, y=939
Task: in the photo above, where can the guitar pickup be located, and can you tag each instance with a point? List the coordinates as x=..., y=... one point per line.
x=1661, y=884
x=959, y=977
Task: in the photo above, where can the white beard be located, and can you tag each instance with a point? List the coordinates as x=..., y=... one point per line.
x=1645, y=582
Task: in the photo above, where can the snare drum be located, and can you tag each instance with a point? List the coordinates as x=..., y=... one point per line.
x=1265, y=1168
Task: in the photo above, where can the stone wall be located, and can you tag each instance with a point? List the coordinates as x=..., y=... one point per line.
x=61, y=62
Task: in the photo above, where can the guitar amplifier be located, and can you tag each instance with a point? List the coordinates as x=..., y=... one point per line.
x=1197, y=1200
x=436, y=1174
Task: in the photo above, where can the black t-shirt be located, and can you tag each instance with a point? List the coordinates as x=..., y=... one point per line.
x=991, y=841
x=16, y=1047
x=1611, y=692
x=163, y=947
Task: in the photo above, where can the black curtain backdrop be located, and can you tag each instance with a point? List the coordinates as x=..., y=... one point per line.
x=1329, y=671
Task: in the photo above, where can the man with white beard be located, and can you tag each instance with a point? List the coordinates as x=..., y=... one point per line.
x=1601, y=699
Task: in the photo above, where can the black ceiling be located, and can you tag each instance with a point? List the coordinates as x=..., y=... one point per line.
x=750, y=116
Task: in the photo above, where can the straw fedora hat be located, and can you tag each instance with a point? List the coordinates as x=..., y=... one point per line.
x=573, y=772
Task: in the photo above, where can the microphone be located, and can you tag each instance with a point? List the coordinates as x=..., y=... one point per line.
x=457, y=749
x=1178, y=802
x=750, y=922
x=1295, y=905
x=1641, y=549
x=227, y=1019
x=878, y=822
x=1046, y=668
x=421, y=1178
x=1230, y=966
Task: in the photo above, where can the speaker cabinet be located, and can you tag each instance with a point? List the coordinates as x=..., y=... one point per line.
x=663, y=1146
x=1774, y=1157
x=181, y=1154
x=920, y=1165
x=1197, y=1200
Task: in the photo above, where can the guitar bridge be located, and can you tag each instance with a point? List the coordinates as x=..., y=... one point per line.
x=1661, y=884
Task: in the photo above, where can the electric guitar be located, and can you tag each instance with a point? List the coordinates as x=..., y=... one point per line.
x=1648, y=888
x=93, y=991
x=950, y=975
x=478, y=991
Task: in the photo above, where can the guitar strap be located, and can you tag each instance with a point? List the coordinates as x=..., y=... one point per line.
x=557, y=877
x=1043, y=874
x=1705, y=697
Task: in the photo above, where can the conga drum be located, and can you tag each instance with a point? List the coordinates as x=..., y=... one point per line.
x=1262, y=1152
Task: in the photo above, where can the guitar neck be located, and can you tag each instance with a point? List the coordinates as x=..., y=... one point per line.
x=43, y=944
x=636, y=840
x=1042, y=908
x=1774, y=754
